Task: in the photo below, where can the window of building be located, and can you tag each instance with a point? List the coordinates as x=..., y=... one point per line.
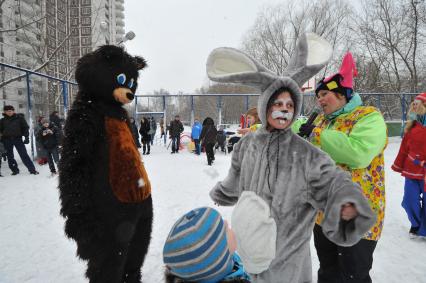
x=85, y=31
x=74, y=22
x=18, y=53
x=86, y=41
x=19, y=92
x=38, y=36
x=86, y=11
x=20, y=106
x=75, y=31
x=2, y=53
x=85, y=2
x=74, y=12
x=86, y=21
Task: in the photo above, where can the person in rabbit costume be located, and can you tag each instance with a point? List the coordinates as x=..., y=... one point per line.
x=279, y=181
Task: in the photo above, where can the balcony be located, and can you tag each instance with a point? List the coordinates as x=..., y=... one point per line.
x=119, y=22
x=119, y=6
x=119, y=14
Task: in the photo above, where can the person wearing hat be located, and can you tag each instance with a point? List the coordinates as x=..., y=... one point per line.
x=201, y=247
x=12, y=128
x=50, y=136
x=411, y=163
x=355, y=137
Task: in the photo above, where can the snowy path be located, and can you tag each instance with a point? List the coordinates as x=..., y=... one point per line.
x=34, y=249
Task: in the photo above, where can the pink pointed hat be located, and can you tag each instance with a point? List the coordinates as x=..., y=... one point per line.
x=341, y=82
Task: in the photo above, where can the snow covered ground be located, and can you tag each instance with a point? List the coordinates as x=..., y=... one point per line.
x=33, y=247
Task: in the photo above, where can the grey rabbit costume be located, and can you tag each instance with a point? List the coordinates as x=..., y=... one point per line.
x=293, y=178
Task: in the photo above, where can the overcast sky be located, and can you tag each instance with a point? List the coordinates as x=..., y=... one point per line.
x=176, y=36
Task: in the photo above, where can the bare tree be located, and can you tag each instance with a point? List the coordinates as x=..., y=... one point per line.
x=273, y=37
x=393, y=34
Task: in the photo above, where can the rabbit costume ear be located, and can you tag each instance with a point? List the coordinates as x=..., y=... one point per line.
x=229, y=65
x=311, y=55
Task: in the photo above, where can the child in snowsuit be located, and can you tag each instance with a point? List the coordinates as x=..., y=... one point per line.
x=201, y=248
x=279, y=181
x=49, y=137
x=410, y=162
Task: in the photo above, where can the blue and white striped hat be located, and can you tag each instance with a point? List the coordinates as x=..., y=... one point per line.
x=196, y=248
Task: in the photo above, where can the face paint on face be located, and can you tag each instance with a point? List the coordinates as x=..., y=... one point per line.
x=280, y=113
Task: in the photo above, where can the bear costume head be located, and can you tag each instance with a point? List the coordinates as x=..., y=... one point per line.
x=109, y=75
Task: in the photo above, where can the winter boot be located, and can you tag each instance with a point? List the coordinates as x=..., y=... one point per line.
x=413, y=232
x=15, y=173
x=34, y=172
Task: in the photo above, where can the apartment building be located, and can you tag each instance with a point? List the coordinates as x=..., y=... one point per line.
x=53, y=34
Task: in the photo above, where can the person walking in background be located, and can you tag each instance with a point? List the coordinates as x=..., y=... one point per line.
x=12, y=128
x=135, y=133
x=175, y=129
x=221, y=138
x=411, y=163
x=58, y=122
x=195, y=135
x=355, y=137
x=145, y=136
x=41, y=153
x=162, y=130
x=153, y=129
x=49, y=136
x=208, y=138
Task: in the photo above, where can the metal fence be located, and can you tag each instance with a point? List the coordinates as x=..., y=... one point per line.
x=36, y=94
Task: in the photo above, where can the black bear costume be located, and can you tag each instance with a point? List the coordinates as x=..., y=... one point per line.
x=104, y=189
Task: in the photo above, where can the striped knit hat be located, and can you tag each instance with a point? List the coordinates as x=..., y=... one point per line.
x=196, y=248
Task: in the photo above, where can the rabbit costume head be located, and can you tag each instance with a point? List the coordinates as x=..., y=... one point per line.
x=229, y=65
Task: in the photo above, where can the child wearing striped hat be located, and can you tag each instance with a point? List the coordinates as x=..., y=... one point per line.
x=201, y=248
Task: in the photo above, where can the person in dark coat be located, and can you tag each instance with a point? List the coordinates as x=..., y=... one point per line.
x=12, y=128
x=49, y=137
x=135, y=133
x=208, y=138
x=41, y=153
x=58, y=122
x=221, y=139
x=153, y=129
x=175, y=129
x=146, y=137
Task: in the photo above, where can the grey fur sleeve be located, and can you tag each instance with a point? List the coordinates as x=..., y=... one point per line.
x=226, y=192
x=330, y=188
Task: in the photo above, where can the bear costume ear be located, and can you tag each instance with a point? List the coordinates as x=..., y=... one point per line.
x=140, y=63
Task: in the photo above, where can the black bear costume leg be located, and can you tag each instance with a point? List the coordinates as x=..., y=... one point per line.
x=139, y=245
x=121, y=252
x=107, y=263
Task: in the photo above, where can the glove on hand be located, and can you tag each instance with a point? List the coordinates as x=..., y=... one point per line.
x=305, y=130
